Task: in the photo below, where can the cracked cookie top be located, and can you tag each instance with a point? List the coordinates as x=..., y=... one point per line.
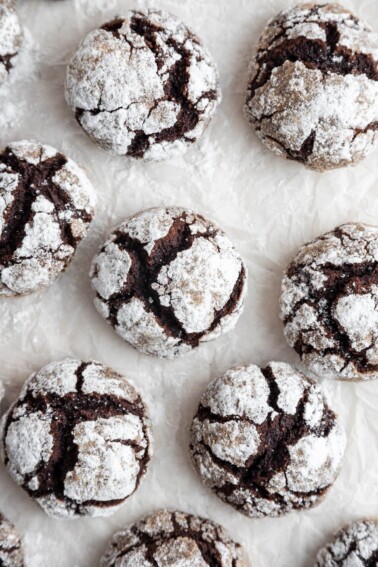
x=78, y=439
x=11, y=552
x=143, y=85
x=355, y=545
x=313, y=87
x=265, y=441
x=173, y=539
x=46, y=206
x=10, y=38
x=168, y=279
x=329, y=303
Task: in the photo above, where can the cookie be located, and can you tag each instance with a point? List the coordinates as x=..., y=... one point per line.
x=143, y=85
x=78, y=440
x=11, y=36
x=355, y=545
x=46, y=207
x=313, y=86
x=329, y=303
x=173, y=539
x=168, y=279
x=265, y=440
x=11, y=552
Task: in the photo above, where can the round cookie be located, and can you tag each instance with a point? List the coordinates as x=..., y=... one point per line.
x=167, y=280
x=46, y=206
x=143, y=85
x=313, y=86
x=10, y=38
x=329, y=303
x=355, y=545
x=173, y=539
x=11, y=552
x=78, y=440
x=265, y=440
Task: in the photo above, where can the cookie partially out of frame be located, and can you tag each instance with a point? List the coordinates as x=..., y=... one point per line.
x=167, y=280
x=11, y=551
x=78, y=440
x=265, y=440
x=11, y=37
x=46, y=207
x=143, y=85
x=313, y=87
x=329, y=303
x=355, y=545
x=173, y=539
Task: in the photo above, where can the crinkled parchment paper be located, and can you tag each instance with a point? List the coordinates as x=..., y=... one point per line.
x=268, y=207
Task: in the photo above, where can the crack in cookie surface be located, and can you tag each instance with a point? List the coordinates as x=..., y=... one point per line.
x=78, y=440
x=312, y=95
x=143, y=85
x=355, y=544
x=265, y=440
x=168, y=538
x=329, y=303
x=167, y=280
x=11, y=550
x=46, y=206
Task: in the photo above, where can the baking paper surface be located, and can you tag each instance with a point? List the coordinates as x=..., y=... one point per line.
x=267, y=206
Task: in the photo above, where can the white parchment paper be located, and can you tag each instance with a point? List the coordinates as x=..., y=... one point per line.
x=268, y=207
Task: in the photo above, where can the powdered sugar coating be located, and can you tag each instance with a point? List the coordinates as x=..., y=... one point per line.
x=11, y=552
x=46, y=206
x=10, y=38
x=265, y=440
x=78, y=440
x=173, y=539
x=329, y=303
x=143, y=85
x=168, y=279
x=355, y=545
x=313, y=91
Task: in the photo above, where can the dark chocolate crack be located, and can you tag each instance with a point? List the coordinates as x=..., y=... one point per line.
x=144, y=272
x=175, y=88
x=34, y=180
x=69, y=411
x=277, y=433
x=7, y=61
x=340, y=281
x=205, y=536
x=326, y=56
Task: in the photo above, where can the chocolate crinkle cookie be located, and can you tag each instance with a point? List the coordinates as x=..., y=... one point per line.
x=168, y=279
x=78, y=440
x=173, y=539
x=11, y=552
x=329, y=303
x=143, y=85
x=313, y=88
x=11, y=37
x=355, y=545
x=46, y=206
x=265, y=441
